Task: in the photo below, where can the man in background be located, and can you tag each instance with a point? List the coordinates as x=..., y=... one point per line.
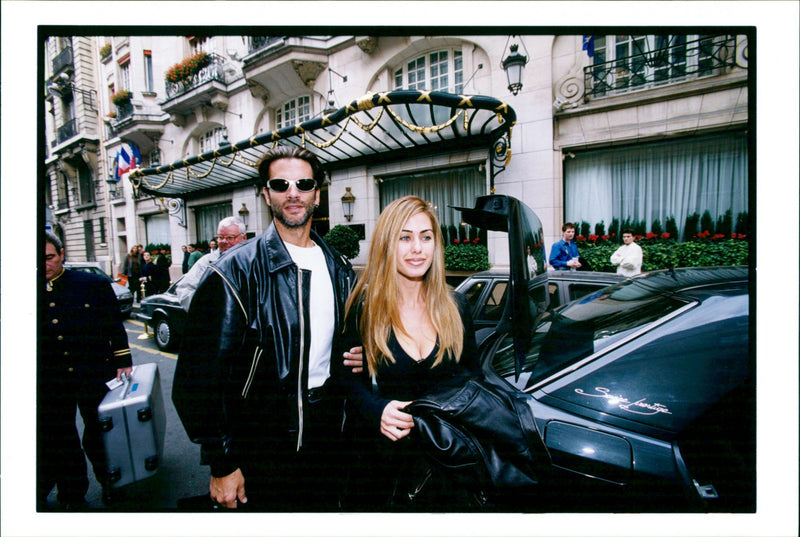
x=230, y=232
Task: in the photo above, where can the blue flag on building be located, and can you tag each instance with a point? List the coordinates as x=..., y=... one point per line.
x=588, y=45
x=137, y=157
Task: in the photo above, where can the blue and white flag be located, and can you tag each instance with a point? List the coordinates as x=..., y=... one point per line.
x=588, y=45
x=137, y=157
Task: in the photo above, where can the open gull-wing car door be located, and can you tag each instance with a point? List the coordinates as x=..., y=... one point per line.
x=526, y=262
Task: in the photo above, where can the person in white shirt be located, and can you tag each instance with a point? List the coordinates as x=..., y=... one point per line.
x=628, y=257
x=230, y=232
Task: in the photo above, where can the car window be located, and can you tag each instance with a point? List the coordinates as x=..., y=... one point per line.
x=495, y=303
x=555, y=299
x=581, y=329
x=473, y=292
x=536, y=294
x=578, y=290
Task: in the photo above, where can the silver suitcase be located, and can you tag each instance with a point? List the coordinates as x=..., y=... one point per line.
x=133, y=422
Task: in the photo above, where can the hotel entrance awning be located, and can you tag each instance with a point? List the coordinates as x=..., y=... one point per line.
x=377, y=128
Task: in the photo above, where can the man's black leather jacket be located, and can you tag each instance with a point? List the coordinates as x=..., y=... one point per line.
x=239, y=387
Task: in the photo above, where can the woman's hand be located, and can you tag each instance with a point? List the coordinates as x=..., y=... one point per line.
x=396, y=424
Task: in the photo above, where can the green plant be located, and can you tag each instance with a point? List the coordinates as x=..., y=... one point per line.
x=121, y=97
x=467, y=256
x=343, y=239
x=742, y=224
x=672, y=227
x=600, y=228
x=105, y=50
x=690, y=229
x=187, y=68
x=706, y=222
x=613, y=228
x=656, y=227
x=662, y=252
x=725, y=223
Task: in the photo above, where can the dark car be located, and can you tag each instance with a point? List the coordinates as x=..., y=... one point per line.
x=164, y=314
x=487, y=292
x=643, y=393
x=124, y=296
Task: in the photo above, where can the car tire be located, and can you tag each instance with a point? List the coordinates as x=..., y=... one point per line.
x=164, y=334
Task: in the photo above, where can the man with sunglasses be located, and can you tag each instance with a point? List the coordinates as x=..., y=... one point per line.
x=251, y=385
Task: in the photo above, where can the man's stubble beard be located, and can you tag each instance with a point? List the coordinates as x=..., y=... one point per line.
x=280, y=217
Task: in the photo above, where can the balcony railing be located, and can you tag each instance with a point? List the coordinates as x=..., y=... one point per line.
x=213, y=71
x=67, y=130
x=63, y=60
x=669, y=65
x=261, y=41
x=116, y=192
x=124, y=111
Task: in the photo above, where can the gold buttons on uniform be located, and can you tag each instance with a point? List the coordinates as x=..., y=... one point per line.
x=55, y=321
x=70, y=369
x=52, y=304
x=86, y=305
x=60, y=338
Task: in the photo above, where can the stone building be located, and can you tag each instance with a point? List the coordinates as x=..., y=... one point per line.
x=74, y=159
x=642, y=127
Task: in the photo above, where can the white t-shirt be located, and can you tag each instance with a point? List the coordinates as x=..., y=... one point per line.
x=322, y=311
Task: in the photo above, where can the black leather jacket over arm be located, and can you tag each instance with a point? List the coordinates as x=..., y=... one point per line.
x=357, y=388
x=241, y=376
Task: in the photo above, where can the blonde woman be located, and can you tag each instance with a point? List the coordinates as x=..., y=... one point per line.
x=416, y=334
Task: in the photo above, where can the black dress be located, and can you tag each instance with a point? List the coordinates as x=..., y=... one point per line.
x=388, y=474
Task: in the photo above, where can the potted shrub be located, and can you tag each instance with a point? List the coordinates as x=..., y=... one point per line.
x=187, y=68
x=343, y=239
x=105, y=51
x=121, y=97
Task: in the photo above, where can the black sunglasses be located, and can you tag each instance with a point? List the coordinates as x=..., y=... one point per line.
x=282, y=185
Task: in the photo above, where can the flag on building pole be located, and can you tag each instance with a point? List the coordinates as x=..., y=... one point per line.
x=136, y=161
x=588, y=45
x=116, y=169
x=123, y=162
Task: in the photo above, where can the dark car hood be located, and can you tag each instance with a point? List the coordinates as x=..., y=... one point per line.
x=527, y=260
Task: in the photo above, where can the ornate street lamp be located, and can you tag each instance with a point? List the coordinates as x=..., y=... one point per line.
x=347, y=203
x=244, y=214
x=514, y=65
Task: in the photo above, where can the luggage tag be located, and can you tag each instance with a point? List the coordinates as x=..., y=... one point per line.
x=115, y=383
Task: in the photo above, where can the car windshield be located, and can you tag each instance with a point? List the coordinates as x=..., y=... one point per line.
x=582, y=328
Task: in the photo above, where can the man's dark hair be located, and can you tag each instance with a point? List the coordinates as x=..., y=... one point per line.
x=53, y=239
x=290, y=152
x=629, y=230
x=566, y=226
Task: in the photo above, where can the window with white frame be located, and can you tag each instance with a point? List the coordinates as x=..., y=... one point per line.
x=625, y=63
x=148, y=71
x=441, y=70
x=125, y=75
x=210, y=139
x=293, y=112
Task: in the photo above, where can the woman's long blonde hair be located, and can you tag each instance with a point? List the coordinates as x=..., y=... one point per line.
x=378, y=291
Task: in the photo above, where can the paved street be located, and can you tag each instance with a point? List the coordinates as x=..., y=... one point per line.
x=180, y=474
